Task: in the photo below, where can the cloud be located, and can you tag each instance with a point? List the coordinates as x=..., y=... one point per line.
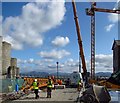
x=114, y=18
x=102, y=58
x=54, y=54
x=104, y=63
x=34, y=61
x=71, y=63
x=31, y=60
x=60, y=41
x=109, y=27
x=68, y=66
x=35, y=19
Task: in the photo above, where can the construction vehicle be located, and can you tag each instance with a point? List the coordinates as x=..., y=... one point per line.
x=75, y=77
x=93, y=93
x=85, y=74
x=91, y=12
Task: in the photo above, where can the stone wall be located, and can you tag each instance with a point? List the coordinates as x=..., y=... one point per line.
x=6, y=52
x=0, y=55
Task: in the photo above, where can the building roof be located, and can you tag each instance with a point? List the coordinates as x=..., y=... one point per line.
x=116, y=43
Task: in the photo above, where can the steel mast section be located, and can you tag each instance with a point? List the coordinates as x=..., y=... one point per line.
x=91, y=12
x=79, y=40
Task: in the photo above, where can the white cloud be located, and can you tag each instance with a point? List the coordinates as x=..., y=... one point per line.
x=48, y=60
x=103, y=63
x=36, y=18
x=31, y=60
x=60, y=41
x=54, y=54
x=19, y=61
x=109, y=27
x=112, y=16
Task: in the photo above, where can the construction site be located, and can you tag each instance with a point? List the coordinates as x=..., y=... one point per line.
x=16, y=88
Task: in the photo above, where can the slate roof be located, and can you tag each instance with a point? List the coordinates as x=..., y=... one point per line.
x=116, y=43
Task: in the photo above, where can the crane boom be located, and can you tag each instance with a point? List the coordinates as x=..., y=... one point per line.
x=107, y=10
x=79, y=38
x=90, y=11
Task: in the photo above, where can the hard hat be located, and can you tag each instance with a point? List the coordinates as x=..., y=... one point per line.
x=49, y=77
x=35, y=80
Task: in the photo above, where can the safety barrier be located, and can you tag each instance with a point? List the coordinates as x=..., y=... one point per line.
x=29, y=81
x=9, y=85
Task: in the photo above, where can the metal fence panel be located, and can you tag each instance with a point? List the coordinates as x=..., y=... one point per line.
x=8, y=85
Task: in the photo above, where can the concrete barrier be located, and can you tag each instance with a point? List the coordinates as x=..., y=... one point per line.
x=59, y=86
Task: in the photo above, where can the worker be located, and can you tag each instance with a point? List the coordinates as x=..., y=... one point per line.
x=68, y=82
x=54, y=82
x=53, y=79
x=79, y=85
x=49, y=87
x=35, y=87
x=16, y=86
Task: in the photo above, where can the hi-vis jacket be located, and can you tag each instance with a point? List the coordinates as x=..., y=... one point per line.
x=35, y=86
x=49, y=84
x=79, y=82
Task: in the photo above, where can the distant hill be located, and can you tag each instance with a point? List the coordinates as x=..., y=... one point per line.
x=43, y=74
x=104, y=74
x=60, y=74
x=35, y=74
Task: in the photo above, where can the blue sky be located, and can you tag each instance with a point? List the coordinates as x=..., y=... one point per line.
x=43, y=33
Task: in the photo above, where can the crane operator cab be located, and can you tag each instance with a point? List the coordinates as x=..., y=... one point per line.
x=75, y=77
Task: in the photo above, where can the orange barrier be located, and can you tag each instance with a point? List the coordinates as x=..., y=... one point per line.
x=29, y=81
x=59, y=82
x=42, y=83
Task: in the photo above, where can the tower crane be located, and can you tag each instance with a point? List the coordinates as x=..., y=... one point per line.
x=91, y=12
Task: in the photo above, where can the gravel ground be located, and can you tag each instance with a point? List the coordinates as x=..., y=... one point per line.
x=67, y=95
x=61, y=95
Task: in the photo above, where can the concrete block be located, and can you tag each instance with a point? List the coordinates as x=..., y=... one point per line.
x=59, y=86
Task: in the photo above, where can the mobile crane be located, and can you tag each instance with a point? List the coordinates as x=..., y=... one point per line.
x=85, y=73
x=85, y=76
x=88, y=95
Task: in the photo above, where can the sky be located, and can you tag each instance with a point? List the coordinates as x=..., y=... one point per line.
x=43, y=33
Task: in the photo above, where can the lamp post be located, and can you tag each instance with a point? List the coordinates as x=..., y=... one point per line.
x=57, y=69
